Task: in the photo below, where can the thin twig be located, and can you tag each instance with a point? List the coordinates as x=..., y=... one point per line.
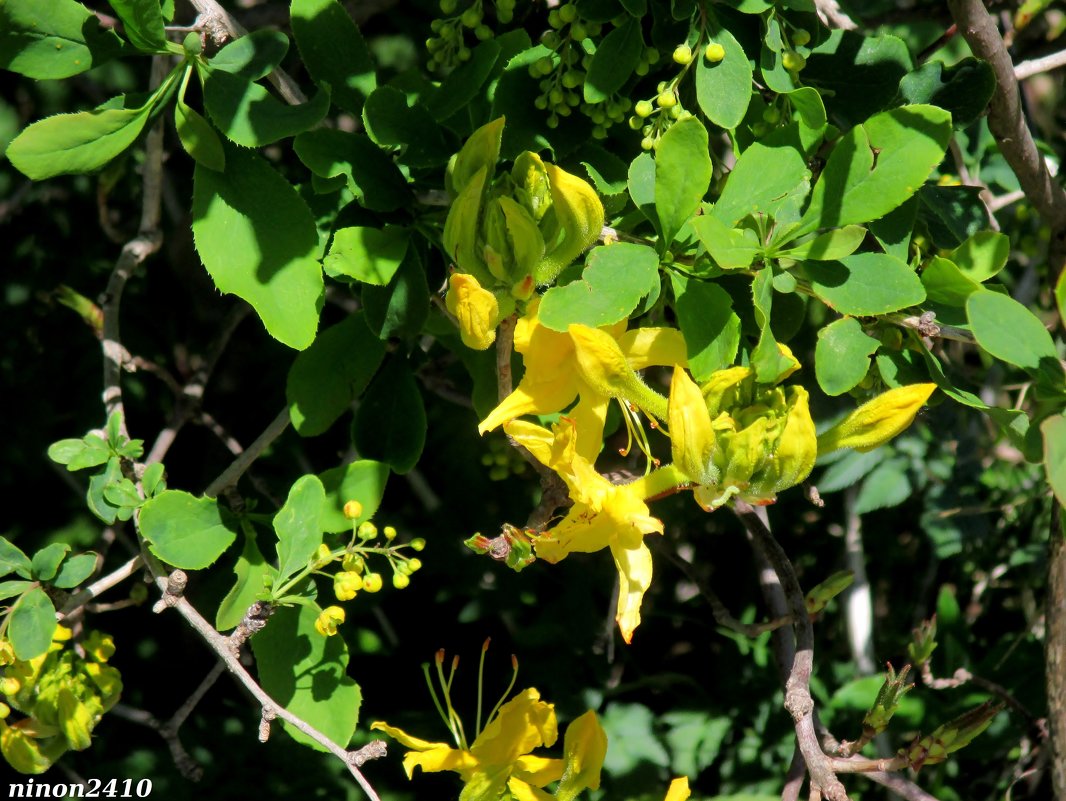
x=1034, y=66
x=830, y=13
x=232, y=474
x=99, y=586
x=901, y=786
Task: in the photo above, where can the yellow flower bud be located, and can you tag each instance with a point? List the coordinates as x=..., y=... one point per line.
x=476, y=309
x=372, y=582
x=328, y=620
x=366, y=531
x=346, y=585
x=877, y=421
x=323, y=556
x=9, y=685
x=5, y=710
x=400, y=581
x=7, y=653
x=353, y=510
x=414, y=564
x=352, y=563
x=389, y=532
x=99, y=646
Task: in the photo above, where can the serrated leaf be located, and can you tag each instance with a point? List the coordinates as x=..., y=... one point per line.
x=246, y=113
x=46, y=561
x=682, y=174
x=258, y=241
x=862, y=73
x=31, y=624
x=297, y=525
x=613, y=62
x=370, y=255
x=951, y=213
x=53, y=40
x=865, y=284
x=142, y=21
x=307, y=674
x=253, y=56
x=1009, y=331
x=710, y=326
x=964, y=88
x=12, y=559
x=369, y=171
x=390, y=423
x=842, y=355
x=186, y=531
x=75, y=570
x=333, y=50
x=723, y=88
x=362, y=481
x=74, y=143
x=611, y=286
x=251, y=571
x=1054, y=432
x=876, y=166
x=196, y=135
x=325, y=379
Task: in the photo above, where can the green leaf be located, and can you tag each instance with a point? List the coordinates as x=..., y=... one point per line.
x=730, y=248
x=710, y=326
x=964, y=88
x=400, y=308
x=123, y=493
x=390, y=423
x=1060, y=294
x=31, y=624
x=887, y=486
x=66, y=450
x=945, y=283
x=325, y=379
x=613, y=62
x=142, y=21
x=297, y=525
x=75, y=570
x=865, y=284
x=253, y=56
x=370, y=255
x=769, y=363
x=9, y=589
x=186, y=531
x=847, y=470
x=371, y=175
x=75, y=143
x=982, y=255
x=723, y=89
x=95, y=496
x=614, y=280
x=1009, y=331
x=57, y=39
x=951, y=213
x=13, y=560
x=607, y=171
x=362, y=481
x=858, y=75
x=390, y=121
x=641, y=185
x=46, y=561
x=307, y=674
x=333, y=50
x=876, y=166
x=152, y=480
x=834, y=244
x=258, y=241
x=251, y=571
x=766, y=174
x=682, y=174
x=464, y=83
x=195, y=133
x=249, y=115
x=842, y=355
x=808, y=105
x=1054, y=432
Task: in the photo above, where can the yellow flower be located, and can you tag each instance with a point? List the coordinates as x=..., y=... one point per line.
x=604, y=515
x=476, y=309
x=346, y=585
x=678, y=790
x=877, y=421
x=328, y=620
x=735, y=438
x=499, y=758
x=554, y=378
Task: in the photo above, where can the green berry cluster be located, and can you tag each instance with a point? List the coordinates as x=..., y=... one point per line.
x=503, y=461
x=448, y=47
x=773, y=116
x=653, y=117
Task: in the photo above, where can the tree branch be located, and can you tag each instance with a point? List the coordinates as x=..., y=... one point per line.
x=79, y=599
x=1027, y=69
x=232, y=474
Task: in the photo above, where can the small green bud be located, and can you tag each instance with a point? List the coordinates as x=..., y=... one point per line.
x=793, y=61
x=647, y=143
x=578, y=32
x=417, y=544
x=800, y=37
x=483, y=33
x=192, y=44
x=651, y=55
x=471, y=18
x=643, y=108
x=555, y=19
x=414, y=564
x=568, y=13
x=448, y=6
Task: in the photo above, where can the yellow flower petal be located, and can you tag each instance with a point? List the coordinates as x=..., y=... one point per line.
x=585, y=748
x=634, y=575
x=877, y=421
x=461, y=229
x=537, y=770
x=439, y=759
x=405, y=739
x=522, y=724
x=604, y=367
x=645, y=347
x=579, y=217
x=691, y=433
x=524, y=792
x=477, y=309
x=678, y=790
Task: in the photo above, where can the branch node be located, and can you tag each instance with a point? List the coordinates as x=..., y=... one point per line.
x=375, y=749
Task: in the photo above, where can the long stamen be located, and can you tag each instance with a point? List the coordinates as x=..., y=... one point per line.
x=480, y=684
x=454, y=724
x=514, y=676
x=629, y=428
x=436, y=702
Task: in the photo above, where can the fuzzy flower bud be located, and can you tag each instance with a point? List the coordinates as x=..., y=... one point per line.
x=328, y=620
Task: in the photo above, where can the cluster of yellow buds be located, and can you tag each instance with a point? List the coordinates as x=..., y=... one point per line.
x=62, y=696
x=509, y=233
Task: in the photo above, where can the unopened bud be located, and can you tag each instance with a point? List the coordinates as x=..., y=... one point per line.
x=353, y=510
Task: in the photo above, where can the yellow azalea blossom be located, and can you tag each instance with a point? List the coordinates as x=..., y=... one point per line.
x=553, y=376
x=476, y=309
x=737, y=439
x=499, y=758
x=328, y=620
x=678, y=790
x=604, y=515
x=877, y=421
